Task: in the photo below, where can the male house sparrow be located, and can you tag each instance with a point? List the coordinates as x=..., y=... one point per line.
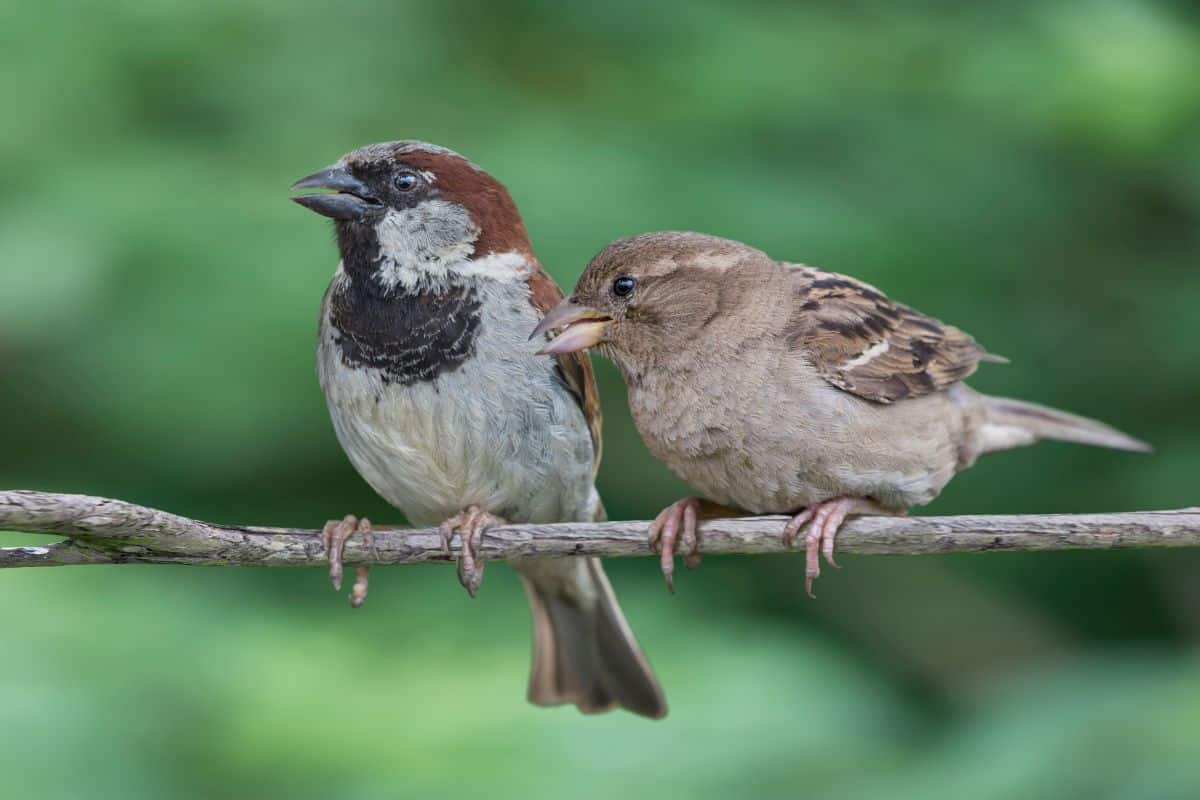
x=779, y=388
x=447, y=411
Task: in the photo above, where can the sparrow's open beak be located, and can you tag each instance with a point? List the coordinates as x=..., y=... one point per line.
x=352, y=200
x=583, y=328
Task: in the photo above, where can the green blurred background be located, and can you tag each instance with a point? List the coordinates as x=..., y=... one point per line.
x=1027, y=170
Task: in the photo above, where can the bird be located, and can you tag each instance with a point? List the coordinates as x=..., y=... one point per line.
x=448, y=412
x=777, y=388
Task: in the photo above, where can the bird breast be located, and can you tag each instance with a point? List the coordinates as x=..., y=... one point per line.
x=450, y=423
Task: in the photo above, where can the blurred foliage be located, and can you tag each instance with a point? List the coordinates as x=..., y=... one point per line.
x=1030, y=171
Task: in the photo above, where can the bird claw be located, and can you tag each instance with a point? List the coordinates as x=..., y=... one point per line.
x=677, y=522
x=333, y=540
x=825, y=519
x=470, y=523
x=793, y=527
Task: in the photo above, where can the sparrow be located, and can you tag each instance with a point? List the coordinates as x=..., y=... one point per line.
x=778, y=388
x=449, y=413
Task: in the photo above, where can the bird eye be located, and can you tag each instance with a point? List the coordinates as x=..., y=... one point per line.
x=406, y=181
x=623, y=285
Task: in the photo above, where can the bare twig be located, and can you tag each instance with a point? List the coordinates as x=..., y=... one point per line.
x=103, y=531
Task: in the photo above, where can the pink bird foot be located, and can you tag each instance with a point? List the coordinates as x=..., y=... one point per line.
x=826, y=518
x=676, y=522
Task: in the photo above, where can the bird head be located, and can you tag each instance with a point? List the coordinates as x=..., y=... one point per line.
x=410, y=213
x=645, y=297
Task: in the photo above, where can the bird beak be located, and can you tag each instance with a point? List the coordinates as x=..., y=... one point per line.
x=583, y=328
x=352, y=199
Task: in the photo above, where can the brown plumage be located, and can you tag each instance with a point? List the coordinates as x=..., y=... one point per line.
x=780, y=388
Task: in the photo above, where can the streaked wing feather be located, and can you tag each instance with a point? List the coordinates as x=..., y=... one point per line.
x=866, y=344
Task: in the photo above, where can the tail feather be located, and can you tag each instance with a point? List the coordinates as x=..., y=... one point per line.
x=583, y=649
x=1012, y=423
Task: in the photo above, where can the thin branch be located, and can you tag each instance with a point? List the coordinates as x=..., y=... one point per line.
x=103, y=531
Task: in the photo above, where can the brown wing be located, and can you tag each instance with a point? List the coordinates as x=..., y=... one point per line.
x=576, y=368
x=864, y=343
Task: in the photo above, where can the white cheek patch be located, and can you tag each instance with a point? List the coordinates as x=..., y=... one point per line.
x=419, y=245
x=429, y=247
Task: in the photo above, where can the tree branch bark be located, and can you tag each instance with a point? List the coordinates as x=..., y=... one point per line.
x=104, y=531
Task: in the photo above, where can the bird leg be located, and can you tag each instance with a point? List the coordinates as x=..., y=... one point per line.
x=470, y=523
x=675, y=522
x=333, y=539
x=826, y=517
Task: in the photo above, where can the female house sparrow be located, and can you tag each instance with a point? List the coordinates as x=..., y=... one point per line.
x=446, y=410
x=779, y=388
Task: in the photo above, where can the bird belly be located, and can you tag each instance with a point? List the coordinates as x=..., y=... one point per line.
x=900, y=455
x=815, y=449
